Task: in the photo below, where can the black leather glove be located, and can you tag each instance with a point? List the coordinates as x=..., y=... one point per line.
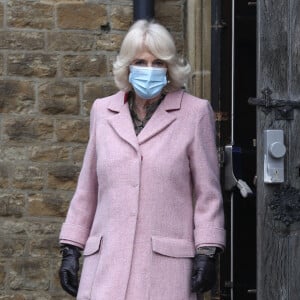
x=203, y=273
x=68, y=272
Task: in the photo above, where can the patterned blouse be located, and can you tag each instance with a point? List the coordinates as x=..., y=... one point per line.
x=150, y=109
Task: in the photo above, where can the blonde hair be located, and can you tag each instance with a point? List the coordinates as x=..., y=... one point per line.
x=156, y=39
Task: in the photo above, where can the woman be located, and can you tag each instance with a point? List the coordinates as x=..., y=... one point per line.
x=148, y=197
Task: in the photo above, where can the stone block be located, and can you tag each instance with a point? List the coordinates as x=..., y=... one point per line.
x=98, y=89
x=1, y=65
x=44, y=247
x=12, y=247
x=78, y=154
x=30, y=14
x=4, y=174
x=108, y=41
x=29, y=227
x=121, y=17
x=59, y=296
x=30, y=274
x=12, y=205
x=16, y=96
x=28, y=177
x=19, y=40
x=111, y=60
x=13, y=154
x=32, y=65
x=2, y=274
x=46, y=204
x=70, y=41
x=59, y=98
x=84, y=65
x=28, y=129
x=10, y=226
x=43, y=227
x=49, y=153
x=1, y=14
x=63, y=177
x=76, y=131
x=66, y=1
x=162, y=12
x=89, y=16
x=9, y=296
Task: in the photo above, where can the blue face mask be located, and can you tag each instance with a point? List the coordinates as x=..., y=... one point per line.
x=147, y=82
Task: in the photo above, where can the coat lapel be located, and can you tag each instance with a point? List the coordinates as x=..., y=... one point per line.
x=161, y=118
x=121, y=122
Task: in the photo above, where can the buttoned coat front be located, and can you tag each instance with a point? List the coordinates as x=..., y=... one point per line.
x=144, y=202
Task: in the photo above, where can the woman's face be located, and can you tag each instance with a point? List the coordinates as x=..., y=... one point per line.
x=147, y=83
x=145, y=58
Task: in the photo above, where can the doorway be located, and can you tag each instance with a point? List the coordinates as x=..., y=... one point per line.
x=233, y=82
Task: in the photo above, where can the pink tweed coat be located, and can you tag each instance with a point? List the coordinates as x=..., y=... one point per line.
x=144, y=202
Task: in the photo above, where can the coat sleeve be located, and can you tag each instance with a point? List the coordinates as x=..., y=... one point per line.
x=208, y=212
x=76, y=228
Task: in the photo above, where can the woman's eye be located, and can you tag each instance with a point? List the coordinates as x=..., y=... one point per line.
x=144, y=63
x=159, y=64
x=139, y=63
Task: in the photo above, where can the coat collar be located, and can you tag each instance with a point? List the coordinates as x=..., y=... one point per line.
x=161, y=119
x=172, y=101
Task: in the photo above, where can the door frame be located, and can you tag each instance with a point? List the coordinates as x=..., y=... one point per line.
x=226, y=48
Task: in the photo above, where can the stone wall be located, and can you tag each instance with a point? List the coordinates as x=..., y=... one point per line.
x=55, y=59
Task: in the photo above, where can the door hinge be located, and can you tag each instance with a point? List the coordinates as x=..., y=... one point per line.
x=284, y=109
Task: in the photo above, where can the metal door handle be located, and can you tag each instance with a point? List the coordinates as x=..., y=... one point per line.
x=230, y=180
x=244, y=188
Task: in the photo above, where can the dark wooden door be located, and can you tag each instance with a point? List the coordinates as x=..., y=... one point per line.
x=278, y=204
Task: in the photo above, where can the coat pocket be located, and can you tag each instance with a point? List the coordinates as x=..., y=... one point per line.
x=171, y=268
x=173, y=247
x=92, y=245
x=91, y=254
